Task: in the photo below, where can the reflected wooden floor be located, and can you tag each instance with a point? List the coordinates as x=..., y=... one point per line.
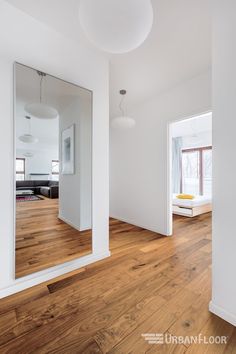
x=43, y=240
x=150, y=284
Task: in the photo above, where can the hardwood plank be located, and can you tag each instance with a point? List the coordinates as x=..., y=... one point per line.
x=103, y=316
x=231, y=344
x=135, y=343
x=167, y=349
x=108, y=337
x=207, y=248
x=67, y=281
x=150, y=284
x=214, y=327
x=193, y=319
x=180, y=302
x=88, y=347
x=43, y=240
x=202, y=283
x=23, y=297
x=7, y=320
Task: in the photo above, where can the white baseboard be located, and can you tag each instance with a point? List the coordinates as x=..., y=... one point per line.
x=139, y=225
x=51, y=273
x=68, y=222
x=222, y=313
x=73, y=225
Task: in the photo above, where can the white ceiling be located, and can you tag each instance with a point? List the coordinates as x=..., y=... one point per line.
x=192, y=126
x=178, y=48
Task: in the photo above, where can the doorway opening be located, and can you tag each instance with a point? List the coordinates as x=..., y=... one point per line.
x=190, y=161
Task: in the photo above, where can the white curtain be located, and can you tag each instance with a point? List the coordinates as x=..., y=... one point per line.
x=176, y=164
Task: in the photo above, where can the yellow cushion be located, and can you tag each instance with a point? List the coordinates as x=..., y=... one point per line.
x=185, y=196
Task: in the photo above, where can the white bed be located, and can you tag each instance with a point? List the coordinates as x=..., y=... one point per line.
x=191, y=207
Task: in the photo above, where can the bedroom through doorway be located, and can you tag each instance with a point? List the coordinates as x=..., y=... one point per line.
x=191, y=170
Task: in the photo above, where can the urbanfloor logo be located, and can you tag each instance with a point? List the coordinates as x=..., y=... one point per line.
x=167, y=338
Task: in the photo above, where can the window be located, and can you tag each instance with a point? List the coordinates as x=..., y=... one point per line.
x=20, y=169
x=197, y=171
x=55, y=170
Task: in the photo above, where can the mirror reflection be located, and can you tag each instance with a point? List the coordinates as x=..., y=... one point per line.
x=53, y=173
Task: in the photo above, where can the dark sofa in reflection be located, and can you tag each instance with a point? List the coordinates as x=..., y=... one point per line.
x=49, y=189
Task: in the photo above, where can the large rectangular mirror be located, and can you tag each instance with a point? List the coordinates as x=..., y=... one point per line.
x=53, y=171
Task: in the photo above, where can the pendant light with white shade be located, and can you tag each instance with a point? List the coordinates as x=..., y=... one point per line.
x=116, y=26
x=28, y=138
x=39, y=109
x=123, y=121
x=28, y=154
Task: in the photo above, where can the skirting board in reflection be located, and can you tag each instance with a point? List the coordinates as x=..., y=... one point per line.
x=68, y=222
x=51, y=273
x=72, y=225
x=222, y=313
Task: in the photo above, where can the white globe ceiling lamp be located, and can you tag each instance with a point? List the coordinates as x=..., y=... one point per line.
x=116, y=26
x=40, y=109
x=123, y=121
x=28, y=138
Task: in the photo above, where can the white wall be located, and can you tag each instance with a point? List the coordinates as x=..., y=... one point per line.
x=69, y=191
x=139, y=157
x=224, y=162
x=25, y=40
x=76, y=189
x=40, y=162
x=85, y=164
x=202, y=139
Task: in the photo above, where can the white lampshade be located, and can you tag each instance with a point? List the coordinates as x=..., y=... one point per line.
x=116, y=26
x=28, y=154
x=28, y=138
x=41, y=110
x=123, y=122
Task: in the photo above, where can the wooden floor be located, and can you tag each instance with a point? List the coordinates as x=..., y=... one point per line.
x=150, y=284
x=43, y=240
